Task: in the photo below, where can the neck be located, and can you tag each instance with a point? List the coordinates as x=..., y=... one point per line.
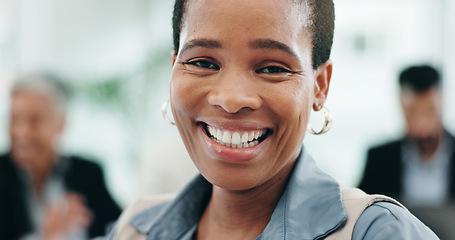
x=241, y=214
x=39, y=177
x=38, y=184
x=427, y=147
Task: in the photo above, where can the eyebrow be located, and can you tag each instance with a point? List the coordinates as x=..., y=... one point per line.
x=200, y=42
x=272, y=44
x=254, y=44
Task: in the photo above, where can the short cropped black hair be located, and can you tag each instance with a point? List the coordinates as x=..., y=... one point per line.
x=419, y=78
x=321, y=25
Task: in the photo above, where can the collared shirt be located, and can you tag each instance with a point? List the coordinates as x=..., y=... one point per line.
x=310, y=208
x=54, y=192
x=426, y=182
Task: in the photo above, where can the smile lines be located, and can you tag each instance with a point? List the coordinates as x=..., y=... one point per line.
x=236, y=139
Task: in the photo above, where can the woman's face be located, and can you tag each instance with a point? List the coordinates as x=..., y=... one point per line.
x=242, y=87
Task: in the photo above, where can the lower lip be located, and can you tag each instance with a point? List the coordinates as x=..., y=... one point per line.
x=232, y=155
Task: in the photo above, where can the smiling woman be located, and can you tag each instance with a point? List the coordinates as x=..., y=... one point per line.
x=241, y=77
x=245, y=77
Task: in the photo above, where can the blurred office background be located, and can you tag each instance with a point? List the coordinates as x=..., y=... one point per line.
x=116, y=55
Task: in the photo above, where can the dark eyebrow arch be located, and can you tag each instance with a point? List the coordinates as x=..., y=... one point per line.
x=200, y=42
x=272, y=44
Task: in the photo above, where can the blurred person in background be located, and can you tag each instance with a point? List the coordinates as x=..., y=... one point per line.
x=44, y=195
x=419, y=168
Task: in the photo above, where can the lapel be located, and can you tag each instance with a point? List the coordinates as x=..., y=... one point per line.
x=173, y=219
x=15, y=218
x=452, y=166
x=311, y=206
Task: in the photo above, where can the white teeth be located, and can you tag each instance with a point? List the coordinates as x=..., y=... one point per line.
x=219, y=134
x=245, y=137
x=227, y=137
x=236, y=139
x=213, y=131
x=250, y=136
x=256, y=134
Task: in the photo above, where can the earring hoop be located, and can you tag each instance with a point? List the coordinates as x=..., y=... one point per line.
x=164, y=112
x=327, y=123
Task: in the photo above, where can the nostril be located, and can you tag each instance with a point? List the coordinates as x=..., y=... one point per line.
x=234, y=101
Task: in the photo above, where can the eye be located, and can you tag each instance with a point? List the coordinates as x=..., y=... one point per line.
x=203, y=64
x=273, y=69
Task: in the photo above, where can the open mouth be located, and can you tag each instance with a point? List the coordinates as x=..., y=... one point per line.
x=236, y=139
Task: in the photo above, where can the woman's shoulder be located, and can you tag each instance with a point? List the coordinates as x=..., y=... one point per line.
x=385, y=220
x=124, y=229
x=378, y=217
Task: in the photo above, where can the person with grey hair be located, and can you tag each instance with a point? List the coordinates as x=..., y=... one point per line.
x=44, y=195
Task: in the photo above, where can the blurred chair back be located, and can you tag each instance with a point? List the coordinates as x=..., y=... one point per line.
x=441, y=219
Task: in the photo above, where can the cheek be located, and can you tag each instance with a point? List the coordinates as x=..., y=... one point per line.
x=12, y=128
x=187, y=97
x=183, y=96
x=292, y=103
x=186, y=101
x=46, y=134
x=291, y=109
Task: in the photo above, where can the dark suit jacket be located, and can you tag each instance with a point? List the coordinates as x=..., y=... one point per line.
x=384, y=170
x=80, y=176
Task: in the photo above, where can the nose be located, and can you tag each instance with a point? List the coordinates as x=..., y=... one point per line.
x=234, y=93
x=423, y=126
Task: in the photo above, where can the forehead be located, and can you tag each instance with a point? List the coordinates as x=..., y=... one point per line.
x=427, y=99
x=287, y=19
x=32, y=102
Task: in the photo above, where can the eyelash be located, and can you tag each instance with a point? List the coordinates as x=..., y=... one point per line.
x=278, y=69
x=200, y=64
x=213, y=66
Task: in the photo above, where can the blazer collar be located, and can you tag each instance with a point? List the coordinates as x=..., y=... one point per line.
x=311, y=206
x=172, y=219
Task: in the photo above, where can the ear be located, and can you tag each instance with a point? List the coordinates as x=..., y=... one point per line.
x=61, y=124
x=323, y=76
x=173, y=56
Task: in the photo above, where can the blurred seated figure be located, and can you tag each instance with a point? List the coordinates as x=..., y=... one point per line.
x=44, y=195
x=419, y=168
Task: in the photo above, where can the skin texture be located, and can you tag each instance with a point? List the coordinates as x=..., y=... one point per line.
x=231, y=73
x=423, y=112
x=35, y=125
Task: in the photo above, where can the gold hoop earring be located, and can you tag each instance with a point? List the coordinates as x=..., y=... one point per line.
x=164, y=112
x=327, y=123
